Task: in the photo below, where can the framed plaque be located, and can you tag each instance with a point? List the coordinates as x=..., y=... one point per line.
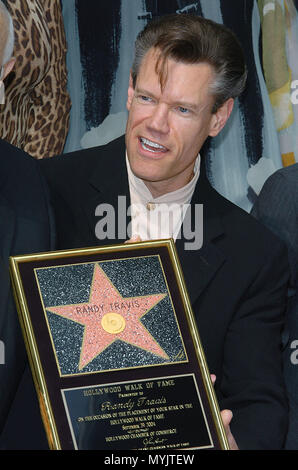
x=114, y=349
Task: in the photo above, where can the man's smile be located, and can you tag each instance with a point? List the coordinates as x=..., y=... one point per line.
x=151, y=146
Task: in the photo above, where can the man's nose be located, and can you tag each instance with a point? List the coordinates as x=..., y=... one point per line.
x=159, y=119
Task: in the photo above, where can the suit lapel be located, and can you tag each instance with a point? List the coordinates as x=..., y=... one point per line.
x=200, y=266
x=107, y=182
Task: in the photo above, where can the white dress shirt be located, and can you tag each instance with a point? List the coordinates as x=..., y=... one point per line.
x=161, y=217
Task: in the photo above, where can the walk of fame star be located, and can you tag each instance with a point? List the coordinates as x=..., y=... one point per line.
x=108, y=317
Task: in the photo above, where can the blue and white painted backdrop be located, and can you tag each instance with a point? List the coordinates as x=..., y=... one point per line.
x=101, y=35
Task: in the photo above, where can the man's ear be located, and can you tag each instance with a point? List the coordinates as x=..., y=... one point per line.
x=8, y=67
x=130, y=93
x=221, y=116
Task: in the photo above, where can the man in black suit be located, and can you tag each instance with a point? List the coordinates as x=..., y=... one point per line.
x=186, y=74
x=26, y=227
x=277, y=208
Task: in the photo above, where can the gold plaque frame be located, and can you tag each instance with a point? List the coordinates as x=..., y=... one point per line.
x=114, y=349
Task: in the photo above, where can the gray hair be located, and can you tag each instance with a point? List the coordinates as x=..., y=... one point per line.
x=8, y=49
x=193, y=39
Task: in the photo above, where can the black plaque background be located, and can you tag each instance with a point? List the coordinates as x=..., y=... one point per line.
x=189, y=422
x=55, y=383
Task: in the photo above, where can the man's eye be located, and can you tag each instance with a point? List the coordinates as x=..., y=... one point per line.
x=183, y=110
x=144, y=99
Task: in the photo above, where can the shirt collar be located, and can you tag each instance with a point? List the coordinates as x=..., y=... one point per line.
x=180, y=196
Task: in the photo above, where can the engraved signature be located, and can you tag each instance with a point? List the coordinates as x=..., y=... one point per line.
x=151, y=441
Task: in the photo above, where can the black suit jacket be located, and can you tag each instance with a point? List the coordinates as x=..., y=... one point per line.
x=277, y=208
x=25, y=227
x=236, y=282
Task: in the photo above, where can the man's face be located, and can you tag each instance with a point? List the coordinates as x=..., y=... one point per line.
x=166, y=128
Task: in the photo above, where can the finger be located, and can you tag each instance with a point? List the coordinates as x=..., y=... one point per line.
x=226, y=416
x=134, y=239
x=213, y=378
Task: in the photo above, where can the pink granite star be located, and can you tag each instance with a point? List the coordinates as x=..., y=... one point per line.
x=108, y=317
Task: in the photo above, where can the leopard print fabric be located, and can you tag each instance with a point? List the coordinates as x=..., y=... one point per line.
x=35, y=116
